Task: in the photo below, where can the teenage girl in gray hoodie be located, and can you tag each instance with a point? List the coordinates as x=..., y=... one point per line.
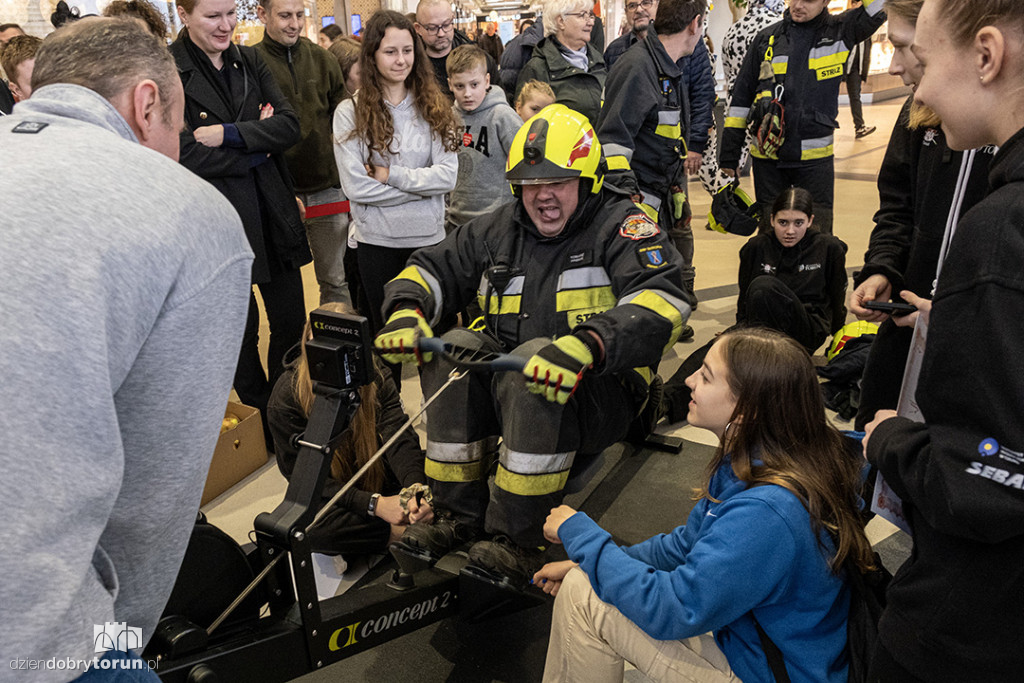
x=395, y=143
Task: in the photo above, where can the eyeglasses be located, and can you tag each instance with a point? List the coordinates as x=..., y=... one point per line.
x=633, y=6
x=582, y=16
x=434, y=29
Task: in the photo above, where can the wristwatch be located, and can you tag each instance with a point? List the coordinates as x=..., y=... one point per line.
x=371, y=509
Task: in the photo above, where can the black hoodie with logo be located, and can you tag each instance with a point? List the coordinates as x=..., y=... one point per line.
x=956, y=608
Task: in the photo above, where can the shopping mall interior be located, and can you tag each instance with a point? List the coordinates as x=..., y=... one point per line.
x=638, y=491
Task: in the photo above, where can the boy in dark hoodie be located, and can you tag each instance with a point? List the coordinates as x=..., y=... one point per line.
x=490, y=126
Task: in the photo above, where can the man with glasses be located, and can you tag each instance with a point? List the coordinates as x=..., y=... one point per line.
x=643, y=78
x=520, y=49
x=435, y=25
x=639, y=15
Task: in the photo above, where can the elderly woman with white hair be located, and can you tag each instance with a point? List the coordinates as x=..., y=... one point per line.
x=565, y=59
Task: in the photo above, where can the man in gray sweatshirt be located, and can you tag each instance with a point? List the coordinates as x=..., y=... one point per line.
x=124, y=284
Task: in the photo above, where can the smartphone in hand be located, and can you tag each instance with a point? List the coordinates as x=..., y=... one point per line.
x=896, y=309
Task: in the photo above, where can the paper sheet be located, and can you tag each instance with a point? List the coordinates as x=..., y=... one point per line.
x=885, y=503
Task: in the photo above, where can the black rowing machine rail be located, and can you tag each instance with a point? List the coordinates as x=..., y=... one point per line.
x=297, y=633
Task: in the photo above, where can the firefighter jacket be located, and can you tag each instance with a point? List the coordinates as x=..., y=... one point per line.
x=698, y=82
x=611, y=271
x=643, y=124
x=808, y=61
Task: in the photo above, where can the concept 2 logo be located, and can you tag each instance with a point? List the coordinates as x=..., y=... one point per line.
x=361, y=630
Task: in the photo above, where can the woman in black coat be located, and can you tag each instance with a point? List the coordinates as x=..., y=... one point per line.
x=955, y=609
x=238, y=125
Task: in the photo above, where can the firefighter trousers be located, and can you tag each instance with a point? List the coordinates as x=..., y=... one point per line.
x=540, y=440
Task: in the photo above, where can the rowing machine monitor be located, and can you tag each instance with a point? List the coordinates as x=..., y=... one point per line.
x=340, y=354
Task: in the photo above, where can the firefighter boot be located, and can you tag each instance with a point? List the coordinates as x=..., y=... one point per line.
x=440, y=536
x=502, y=557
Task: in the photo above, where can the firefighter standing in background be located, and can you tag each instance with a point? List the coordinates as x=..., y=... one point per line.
x=800, y=61
x=645, y=122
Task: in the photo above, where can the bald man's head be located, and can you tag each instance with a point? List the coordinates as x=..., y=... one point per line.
x=435, y=25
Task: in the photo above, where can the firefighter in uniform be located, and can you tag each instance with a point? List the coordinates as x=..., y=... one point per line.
x=644, y=125
x=572, y=276
x=800, y=61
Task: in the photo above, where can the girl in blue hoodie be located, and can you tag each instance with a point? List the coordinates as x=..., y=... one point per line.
x=766, y=542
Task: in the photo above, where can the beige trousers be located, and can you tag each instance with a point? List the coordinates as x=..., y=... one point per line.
x=591, y=640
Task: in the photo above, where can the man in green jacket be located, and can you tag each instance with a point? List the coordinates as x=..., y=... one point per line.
x=311, y=79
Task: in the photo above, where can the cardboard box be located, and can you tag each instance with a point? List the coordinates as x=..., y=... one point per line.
x=240, y=451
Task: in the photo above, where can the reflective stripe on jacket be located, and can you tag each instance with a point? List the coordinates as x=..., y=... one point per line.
x=643, y=125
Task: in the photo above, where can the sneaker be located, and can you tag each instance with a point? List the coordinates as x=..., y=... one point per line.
x=865, y=131
x=503, y=557
x=439, y=536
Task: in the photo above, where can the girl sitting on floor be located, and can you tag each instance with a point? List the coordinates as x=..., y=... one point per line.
x=369, y=517
x=764, y=545
x=791, y=279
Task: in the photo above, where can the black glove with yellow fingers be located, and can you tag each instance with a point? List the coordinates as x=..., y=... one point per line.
x=555, y=370
x=397, y=340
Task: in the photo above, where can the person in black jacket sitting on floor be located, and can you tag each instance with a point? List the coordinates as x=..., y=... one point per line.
x=370, y=515
x=792, y=279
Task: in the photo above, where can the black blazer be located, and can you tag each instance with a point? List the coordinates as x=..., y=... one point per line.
x=259, y=187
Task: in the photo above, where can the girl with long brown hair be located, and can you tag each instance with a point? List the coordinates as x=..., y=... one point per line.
x=369, y=516
x=395, y=143
x=765, y=544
